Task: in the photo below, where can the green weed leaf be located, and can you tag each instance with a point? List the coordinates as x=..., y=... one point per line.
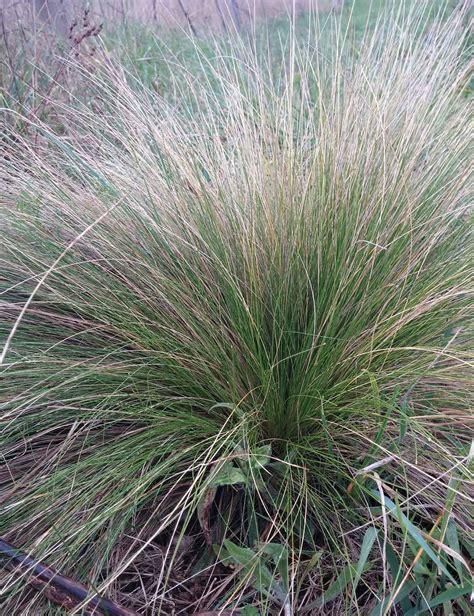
x=228, y=475
x=443, y=597
x=411, y=529
x=279, y=555
x=367, y=544
x=337, y=587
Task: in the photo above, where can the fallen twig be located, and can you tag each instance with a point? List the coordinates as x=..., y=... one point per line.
x=58, y=588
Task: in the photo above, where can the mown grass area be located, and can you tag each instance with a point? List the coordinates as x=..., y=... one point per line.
x=235, y=313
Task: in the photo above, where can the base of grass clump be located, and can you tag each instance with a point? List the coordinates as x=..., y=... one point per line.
x=235, y=360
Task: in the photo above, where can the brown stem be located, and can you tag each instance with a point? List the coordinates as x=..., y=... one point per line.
x=218, y=8
x=234, y=9
x=186, y=15
x=58, y=588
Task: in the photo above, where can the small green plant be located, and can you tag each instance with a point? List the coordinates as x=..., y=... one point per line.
x=255, y=568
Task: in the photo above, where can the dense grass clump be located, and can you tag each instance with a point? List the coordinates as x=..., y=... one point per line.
x=236, y=328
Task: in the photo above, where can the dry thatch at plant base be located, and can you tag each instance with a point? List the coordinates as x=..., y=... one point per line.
x=235, y=370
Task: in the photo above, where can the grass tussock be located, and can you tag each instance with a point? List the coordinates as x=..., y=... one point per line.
x=235, y=366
